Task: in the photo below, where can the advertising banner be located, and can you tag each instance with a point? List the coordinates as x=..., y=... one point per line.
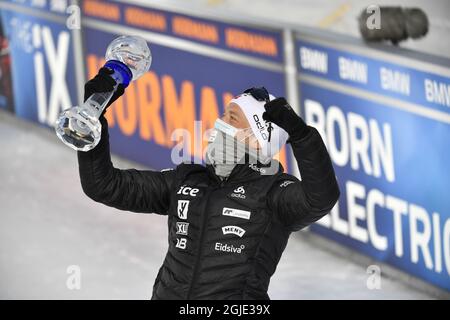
x=391, y=155
x=6, y=92
x=41, y=60
x=162, y=119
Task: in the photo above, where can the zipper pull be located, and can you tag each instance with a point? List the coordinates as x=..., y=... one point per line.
x=270, y=130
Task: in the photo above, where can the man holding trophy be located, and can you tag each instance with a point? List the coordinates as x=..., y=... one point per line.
x=229, y=220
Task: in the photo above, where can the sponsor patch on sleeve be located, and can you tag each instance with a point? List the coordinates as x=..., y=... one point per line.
x=284, y=184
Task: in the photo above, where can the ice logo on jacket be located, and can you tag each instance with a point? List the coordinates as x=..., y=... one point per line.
x=188, y=191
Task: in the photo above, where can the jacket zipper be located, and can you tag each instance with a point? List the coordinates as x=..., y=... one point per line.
x=202, y=235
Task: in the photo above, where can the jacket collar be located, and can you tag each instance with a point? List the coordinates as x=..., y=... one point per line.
x=244, y=172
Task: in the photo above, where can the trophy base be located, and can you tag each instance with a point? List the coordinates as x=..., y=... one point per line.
x=78, y=130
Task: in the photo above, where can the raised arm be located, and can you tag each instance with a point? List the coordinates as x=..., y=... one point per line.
x=131, y=190
x=300, y=203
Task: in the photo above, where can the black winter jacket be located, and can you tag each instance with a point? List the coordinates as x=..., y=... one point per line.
x=225, y=237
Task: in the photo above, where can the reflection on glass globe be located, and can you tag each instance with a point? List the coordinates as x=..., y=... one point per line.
x=78, y=130
x=132, y=51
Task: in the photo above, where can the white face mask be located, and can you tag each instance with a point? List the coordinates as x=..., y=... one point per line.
x=227, y=147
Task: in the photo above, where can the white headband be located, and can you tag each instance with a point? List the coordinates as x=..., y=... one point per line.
x=253, y=111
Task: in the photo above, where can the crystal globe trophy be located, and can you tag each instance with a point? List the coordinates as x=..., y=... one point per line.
x=79, y=127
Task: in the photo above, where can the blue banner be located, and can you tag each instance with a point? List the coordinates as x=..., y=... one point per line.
x=42, y=64
x=259, y=43
x=183, y=91
x=391, y=162
x=59, y=7
x=6, y=92
x=375, y=75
